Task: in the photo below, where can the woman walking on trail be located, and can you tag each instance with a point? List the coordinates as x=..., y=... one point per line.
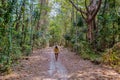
x=56, y=52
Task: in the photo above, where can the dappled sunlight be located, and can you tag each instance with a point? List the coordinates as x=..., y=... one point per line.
x=60, y=39
x=39, y=78
x=81, y=69
x=37, y=58
x=42, y=65
x=13, y=76
x=95, y=74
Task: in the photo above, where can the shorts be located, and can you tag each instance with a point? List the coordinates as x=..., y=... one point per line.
x=56, y=53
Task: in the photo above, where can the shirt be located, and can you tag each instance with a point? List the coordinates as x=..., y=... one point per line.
x=56, y=50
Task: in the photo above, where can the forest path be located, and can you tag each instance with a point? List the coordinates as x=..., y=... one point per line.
x=57, y=70
x=41, y=65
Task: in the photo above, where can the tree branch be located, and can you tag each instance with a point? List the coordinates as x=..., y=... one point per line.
x=95, y=13
x=86, y=6
x=78, y=9
x=83, y=17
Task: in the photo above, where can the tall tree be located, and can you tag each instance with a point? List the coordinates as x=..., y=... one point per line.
x=89, y=15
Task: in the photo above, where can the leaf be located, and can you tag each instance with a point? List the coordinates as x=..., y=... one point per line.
x=1, y=20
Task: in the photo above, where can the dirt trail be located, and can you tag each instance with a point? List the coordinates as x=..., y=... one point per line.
x=57, y=70
x=41, y=65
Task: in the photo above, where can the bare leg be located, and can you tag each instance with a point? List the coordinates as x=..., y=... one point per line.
x=56, y=56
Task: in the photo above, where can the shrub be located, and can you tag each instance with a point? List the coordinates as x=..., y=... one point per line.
x=112, y=56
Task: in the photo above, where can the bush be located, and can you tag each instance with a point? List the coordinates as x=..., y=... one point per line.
x=112, y=56
x=88, y=53
x=26, y=49
x=84, y=49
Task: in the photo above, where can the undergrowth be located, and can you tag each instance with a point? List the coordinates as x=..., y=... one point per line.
x=112, y=57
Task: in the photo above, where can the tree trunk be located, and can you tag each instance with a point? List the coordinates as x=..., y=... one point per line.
x=90, y=32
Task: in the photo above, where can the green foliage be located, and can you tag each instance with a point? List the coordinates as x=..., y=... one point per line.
x=80, y=22
x=108, y=26
x=86, y=51
x=27, y=49
x=112, y=56
x=16, y=52
x=67, y=37
x=24, y=25
x=107, y=32
x=17, y=25
x=42, y=41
